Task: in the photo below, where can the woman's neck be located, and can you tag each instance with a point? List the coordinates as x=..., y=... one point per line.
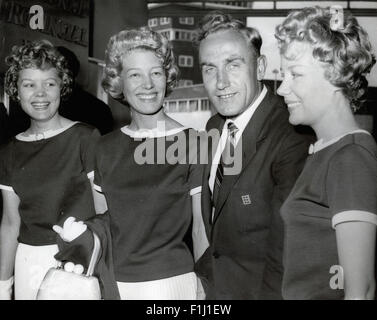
x=158, y=121
x=338, y=121
x=37, y=127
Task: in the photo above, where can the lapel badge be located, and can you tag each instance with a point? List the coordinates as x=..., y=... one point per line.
x=246, y=199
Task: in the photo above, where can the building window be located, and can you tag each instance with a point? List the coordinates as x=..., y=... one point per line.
x=185, y=83
x=165, y=20
x=204, y=104
x=174, y=34
x=193, y=105
x=153, y=22
x=186, y=20
x=183, y=35
x=185, y=61
x=172, y=106
x=166, y=34
x=182, y=106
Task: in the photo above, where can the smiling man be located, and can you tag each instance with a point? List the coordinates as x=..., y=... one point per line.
x=241, y=209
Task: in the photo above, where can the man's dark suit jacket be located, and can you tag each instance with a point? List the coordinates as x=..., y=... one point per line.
x=244, y=260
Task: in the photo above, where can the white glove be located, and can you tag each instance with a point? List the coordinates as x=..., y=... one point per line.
x=200, y=294
x=6, y=289
x=71, y=229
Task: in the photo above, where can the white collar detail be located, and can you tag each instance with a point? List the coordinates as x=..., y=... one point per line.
x=319, y=145
x=150, y=133
x=44, y=135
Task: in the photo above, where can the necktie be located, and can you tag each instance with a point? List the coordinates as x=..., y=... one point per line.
x=225, y=161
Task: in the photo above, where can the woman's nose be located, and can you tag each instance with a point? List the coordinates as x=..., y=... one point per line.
x=283, y=89
x=148, y=82
x=41, y=92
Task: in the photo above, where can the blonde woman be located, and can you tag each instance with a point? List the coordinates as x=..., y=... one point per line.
x=330, y=215
x=151, y=204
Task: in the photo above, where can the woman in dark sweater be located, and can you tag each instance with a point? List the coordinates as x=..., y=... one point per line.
x=330, y=215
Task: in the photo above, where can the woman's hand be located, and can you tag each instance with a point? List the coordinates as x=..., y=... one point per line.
x=71, y=230
x=6, y=289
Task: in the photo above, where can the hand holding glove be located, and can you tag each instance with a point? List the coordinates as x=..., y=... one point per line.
x=71, y=230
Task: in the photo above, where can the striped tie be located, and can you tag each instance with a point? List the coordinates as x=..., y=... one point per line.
x=225, y=160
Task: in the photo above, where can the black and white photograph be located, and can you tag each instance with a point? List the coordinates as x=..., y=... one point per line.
x=188, y=154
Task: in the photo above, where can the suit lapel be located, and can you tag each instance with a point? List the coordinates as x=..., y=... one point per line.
x=218, y=123
x=255, y=131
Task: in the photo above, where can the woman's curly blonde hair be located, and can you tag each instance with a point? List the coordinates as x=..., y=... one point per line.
x=132, y=39
x=346, y=52
x=41, y=55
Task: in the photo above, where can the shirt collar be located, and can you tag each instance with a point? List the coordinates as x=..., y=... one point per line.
x=243, y=119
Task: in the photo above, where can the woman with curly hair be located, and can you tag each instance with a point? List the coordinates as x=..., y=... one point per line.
x=330, y=215
x=152, y=199
x=44, y=172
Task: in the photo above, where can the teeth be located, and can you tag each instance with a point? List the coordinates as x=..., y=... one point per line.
x=293, y=105
x=226, y=96
x=40, y=104
x=147, y=96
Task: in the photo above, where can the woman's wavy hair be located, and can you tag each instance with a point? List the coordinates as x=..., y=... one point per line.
x=132, y=39
x=41, y=55
x=218, y=21
x=344, y=50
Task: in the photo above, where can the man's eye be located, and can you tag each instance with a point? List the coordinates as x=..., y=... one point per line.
x=233, y=66
x=208, y=70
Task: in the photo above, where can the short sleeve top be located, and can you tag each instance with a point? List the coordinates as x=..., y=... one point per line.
x=338, y=178
x=147, y=184
x=50, y=176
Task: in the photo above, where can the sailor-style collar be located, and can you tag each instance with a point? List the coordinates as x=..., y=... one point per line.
x=319, y=145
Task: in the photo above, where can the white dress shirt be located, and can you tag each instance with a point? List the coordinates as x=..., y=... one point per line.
x=241, y=122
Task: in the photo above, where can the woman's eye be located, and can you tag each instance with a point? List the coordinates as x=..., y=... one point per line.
x=295, y=75
x=51, y=84
x=134, y=75
x=27, y=85
x=157, y=73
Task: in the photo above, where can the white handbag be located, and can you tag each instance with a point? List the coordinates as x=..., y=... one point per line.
x=59, y=284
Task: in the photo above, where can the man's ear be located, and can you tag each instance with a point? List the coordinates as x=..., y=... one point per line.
x=261, y=67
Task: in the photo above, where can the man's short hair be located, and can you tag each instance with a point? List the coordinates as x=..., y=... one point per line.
x=218, y=21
